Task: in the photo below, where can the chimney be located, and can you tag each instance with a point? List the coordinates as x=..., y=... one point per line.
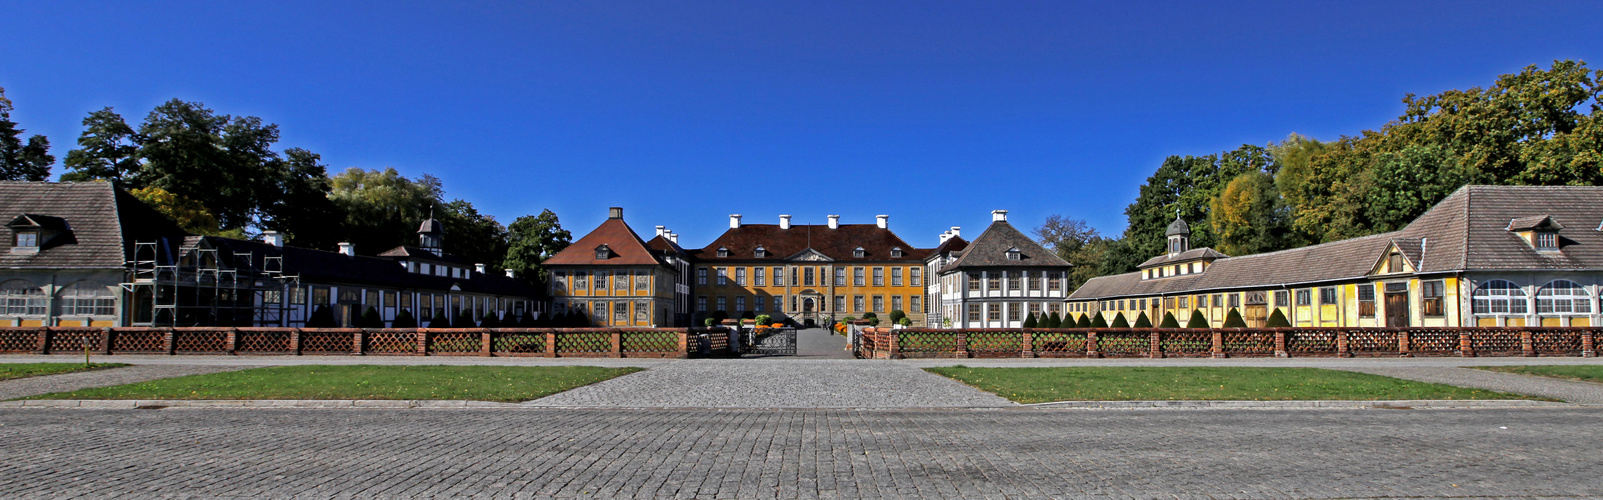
x=784, y=222
x=479, y=268
x=884, y=221
x=734, y=221
x=273, y=238
x=957, y=231
x=615, y=213
x=661, y=230
x=348, y=249
x=946, y=236
x=834, y=222
x=510, y=274
x=673, y=237
x=999, y=216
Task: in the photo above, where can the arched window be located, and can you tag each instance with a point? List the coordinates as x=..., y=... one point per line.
x=1563, y=297
x=86, y=299
x=21, y=298
x=1499, y=297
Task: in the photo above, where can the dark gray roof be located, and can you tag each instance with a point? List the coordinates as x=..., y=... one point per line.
x=1186, y=256
x=1466, y=231
x=952, y=244
x=320, y=266
x=991, y=247
x=97, y=224
x=1179, y=226
x=1533, y=222
x=431, y=226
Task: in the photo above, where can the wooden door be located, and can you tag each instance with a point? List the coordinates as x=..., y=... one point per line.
x=1256, y=316
x=1397, y=309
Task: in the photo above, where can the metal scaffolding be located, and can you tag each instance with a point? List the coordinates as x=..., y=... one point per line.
x=194, y=286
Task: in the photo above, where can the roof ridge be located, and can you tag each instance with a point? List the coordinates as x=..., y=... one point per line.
x=1316, y=245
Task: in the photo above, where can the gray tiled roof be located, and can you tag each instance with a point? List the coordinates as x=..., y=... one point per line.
x=103, y=222
x=1465, y=231
x=990, y=250
x=1186, y=256
x=1179, y=226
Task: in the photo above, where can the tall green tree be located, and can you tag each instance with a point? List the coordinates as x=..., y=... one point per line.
x=107, y=149
x=294, y=199
x=1248, y=216
x=531, y=240
x=383, y=208
x=192, y=152
x=21, y=161
x=1076, y=242
x=473, y=236
x=1183, y=186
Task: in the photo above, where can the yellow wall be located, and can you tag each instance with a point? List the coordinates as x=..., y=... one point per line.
x=823, y=284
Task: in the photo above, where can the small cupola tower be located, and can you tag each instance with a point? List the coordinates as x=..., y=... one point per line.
x=431, y=234
x=1179, y=234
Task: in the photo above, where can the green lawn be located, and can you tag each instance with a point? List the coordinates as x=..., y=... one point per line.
x=1587, y=373
x=10, y=371
x=475, y=383
x=1042, y=385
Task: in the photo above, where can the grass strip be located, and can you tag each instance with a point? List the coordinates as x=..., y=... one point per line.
x=473, y=383
x=10, y=371
x=1044, y=385
x=1584, y=373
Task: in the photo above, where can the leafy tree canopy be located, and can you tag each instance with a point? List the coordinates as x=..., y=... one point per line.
x=21, y=161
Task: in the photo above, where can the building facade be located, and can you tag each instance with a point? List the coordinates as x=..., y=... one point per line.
x=811, y=274
x=615, y=279
x=1483, y=256
x=999, y=280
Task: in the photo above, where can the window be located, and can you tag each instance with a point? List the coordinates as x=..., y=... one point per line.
x=857, y=252
x=27, y=239
x=82, y=299
x=1053, y=283
x=794, y=277
x=1546, y=241
x=1013, y=311
x=723, y=276
x=582, y=282
x=896, y=303
x=761, y=275
x=740, y=276
x=1304, y=297
x=915, y=276
x=701, y=304
x=1235, y=300
x=760, y=252
x=840, y=303
x=1035, y=309
x=1282, y=298
x=1395, y=263
x=993, y=312
x=423, y=268
x=268, y=297
x=559, y=282
x=320, y=296
x=1013, y=280
x=779, y=302
x=601, y=280
x=620, y=312
x=642, y=312
x=723, y=304
x=779, y=276
x=740, y=303
x=1185, y=302
x=1202, y=301
x=857, y=276
x=915, y=303
x=807, y=276
x=840, y=276
x=1033, y=281
x=879, y=303
x=896, y=276
x=297, y=295
x=603, y=253
x=1327, y=295
x=642, y=282
x=974, y=312
x=701, y=276
x=1143, y=303
x=1014, y=254
x=428, y=305
x=762, y=304
x=973, y=282
x=1430, y=297
x=723, y=252
x=879, y=276
x=993, y=282
x=896, y=252
x=857, y=303
x=389, y=299
x=1563, y=297
x=1366, y=300
x=621, y=282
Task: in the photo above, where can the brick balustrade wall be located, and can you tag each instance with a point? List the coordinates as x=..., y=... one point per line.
x=532, y=342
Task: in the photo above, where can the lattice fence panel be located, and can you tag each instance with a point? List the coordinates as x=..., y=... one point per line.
x=717, y=341
x=138, y=341
x=1239, y=343
x=19, y=340
x=1189, y=343
x=397, y=342
x=1124, y=344
x=261, y=341
x=1556, y=341
x=1496, y=342
x=1371, y=342
x=517, y=342
x=63, y=341
x=325, y=342
x=200, y=341
x=650, y=342
x=1059, y=344
x=1433, y=342
x=1308, y=342
x=924, y=344
x=584, y=342
x=996, y=344
x=454, y=342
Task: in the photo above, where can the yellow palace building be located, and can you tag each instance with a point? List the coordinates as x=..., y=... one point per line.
x=1483, y=256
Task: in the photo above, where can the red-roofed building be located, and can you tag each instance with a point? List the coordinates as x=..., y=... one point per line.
x=618, y=280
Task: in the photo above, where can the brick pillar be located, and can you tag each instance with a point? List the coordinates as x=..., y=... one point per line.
x=169, y=341
x=1402, y=345
x=422, y=342
x=551, y=343
x=230, y=342
x=295, y=341
x=893, y=349
x=617, y=344
x=43, y=347
x=1156, y=347
x=1527, y=344
x=1341, y=345
x=684, y=344
x=1091, y=346
x=1280, y=344
x=1029, y=345
x=1589, y=344
x=486, y=342
x=356, y=342
x=962, y=344
x=105, y=341
x=1466, y=345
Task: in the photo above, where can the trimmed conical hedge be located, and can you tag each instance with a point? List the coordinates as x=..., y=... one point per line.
x=1197, y=321
x=1053, y=321
x=1143, y=321
x=1233, y=319
x=1169, y=321
x=1119, y=321
x=1029, y=320
x=321, y=317
x=370, y=319
x=1098, y=322
x=404, y=319
x=1083, y=322
x=1277, y=320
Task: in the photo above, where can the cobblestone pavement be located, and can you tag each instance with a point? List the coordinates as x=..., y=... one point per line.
x=821, y=343
x=801, y=453
x=777, y=383
x=33, y=386
x=1567, y=390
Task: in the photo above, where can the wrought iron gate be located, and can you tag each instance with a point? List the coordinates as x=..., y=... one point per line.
x=771, y=342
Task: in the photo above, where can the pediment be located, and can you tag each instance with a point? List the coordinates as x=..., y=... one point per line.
x=809, y=255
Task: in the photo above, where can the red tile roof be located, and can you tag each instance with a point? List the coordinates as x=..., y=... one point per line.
x=627, y=248
x=837, y=244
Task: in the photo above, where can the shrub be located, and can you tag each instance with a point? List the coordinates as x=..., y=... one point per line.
x=764, y=320
x=870, y=315
x=1169, y=321
x=1143, y=321
x=1084, y=321
x=872, y=321
x=1119, y=321
x=439, y=320
x=321, y=317
x=897, y=315
x=720, y=316
x=1233, y=319
x=709, y=322
x=490, y=321
x=1029, y=321
x=848, y=319
x=1197, y=321
x=464, y=319
x=749, y=315
x=905, y=321
x=1053, y=321
x=1098, y=322
x=1277, y=320
x=370, y=319
x=404, y=319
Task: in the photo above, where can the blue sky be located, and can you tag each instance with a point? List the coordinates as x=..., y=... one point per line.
x=684, y=112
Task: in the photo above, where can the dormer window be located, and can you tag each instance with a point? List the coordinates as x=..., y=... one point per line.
x=857, y=252
x=896, y=253
x=760, y=252
x=27, y=239
x=603, y=252
x=723, y=252
x=1014, y=254
x=1546, y=241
